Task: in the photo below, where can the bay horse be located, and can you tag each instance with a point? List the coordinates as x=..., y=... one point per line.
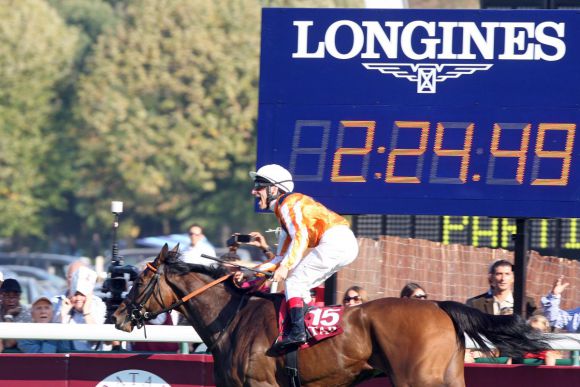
x=414, y=342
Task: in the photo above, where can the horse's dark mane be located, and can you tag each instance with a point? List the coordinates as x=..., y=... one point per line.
x=176, y=265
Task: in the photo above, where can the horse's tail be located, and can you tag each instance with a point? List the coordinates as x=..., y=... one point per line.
x=510, y=334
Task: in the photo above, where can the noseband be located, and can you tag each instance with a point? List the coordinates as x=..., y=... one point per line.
x=137, y=312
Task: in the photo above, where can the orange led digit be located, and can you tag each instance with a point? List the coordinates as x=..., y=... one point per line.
x=520, y=154
x=463, y=153
x=565, y=155
x=396, y=152
x=337, y=161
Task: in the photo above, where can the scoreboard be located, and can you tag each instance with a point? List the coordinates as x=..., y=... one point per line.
x=425, y=112
x=551, y=237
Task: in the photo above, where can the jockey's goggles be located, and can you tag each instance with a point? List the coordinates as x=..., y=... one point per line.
x=260, y=183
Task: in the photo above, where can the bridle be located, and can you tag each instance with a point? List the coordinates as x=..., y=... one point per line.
x=137, y=313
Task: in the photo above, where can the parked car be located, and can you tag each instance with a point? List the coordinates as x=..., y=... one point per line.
x=52, y=263
x=35, y=282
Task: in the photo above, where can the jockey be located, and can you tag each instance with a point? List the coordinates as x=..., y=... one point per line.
x=305, y=224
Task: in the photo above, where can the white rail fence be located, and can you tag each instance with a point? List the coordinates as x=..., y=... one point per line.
x=96, y=332
x=184, y=334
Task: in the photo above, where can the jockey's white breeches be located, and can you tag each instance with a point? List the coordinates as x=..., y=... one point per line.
x=337, y=248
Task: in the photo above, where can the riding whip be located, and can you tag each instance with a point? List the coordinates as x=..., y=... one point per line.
x=264, y=273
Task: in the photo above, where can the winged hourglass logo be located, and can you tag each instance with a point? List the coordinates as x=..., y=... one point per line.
x=427, y=74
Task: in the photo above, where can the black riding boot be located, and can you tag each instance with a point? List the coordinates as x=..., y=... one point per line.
x=296, y=334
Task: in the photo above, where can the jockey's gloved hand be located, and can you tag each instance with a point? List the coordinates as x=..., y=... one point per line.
x=243, y=276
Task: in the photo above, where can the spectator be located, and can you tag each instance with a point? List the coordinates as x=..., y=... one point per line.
x=499, y=299
x=97, y=304
x=42, y=311
x=542, y=324
x=558, y=318
x=11, y=309
x=355, y=295
x=70, y=270
x=199, y=245
x=413, y=290
x=81, y=306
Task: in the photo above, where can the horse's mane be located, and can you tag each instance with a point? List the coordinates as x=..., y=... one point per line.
x=176, y=265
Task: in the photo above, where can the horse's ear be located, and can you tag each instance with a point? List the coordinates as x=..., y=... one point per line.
x=175, y=248
x=163, y=253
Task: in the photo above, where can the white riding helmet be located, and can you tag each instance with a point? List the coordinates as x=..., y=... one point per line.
x=275, y=174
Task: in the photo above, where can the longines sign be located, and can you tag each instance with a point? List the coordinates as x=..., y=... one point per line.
x=467, y=112
x=422, y=46
x=437, y=41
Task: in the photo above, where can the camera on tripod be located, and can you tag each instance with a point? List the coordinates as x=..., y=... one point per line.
x=118, y=275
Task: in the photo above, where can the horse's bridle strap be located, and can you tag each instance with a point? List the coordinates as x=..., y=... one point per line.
x=205, y=287
x=150, y=316
x=197, y=291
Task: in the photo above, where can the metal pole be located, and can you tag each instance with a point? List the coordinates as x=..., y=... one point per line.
x=521, y=248
x=115, y=252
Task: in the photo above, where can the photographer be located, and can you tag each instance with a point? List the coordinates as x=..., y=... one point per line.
x=253, y=239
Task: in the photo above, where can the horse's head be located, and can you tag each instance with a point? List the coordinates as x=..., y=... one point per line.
x=149, y=295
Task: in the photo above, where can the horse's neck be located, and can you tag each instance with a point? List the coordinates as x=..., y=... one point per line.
x=212, y=311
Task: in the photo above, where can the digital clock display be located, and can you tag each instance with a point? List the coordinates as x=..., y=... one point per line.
x=497, y=136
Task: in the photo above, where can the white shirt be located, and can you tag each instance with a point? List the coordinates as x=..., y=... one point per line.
x=503, y=307
x=193, y=253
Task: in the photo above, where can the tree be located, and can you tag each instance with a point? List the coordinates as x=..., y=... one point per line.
x=167, y=110
x=91, y=18
x=36, y=52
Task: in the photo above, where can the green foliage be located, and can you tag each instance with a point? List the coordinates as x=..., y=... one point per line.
x=91, y=16
x=36, y=51
x=153, y=102
x=167, y=109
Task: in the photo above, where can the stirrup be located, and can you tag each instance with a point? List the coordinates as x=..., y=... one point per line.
x=286, y=343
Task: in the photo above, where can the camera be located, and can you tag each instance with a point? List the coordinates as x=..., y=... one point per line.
x=243, y=238
x=239, y=238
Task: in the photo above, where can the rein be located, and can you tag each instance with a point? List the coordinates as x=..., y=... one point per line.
x=139, y=318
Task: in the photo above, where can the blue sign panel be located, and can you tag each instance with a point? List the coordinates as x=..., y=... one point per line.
x=423, y=111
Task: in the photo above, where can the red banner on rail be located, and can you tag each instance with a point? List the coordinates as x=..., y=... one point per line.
x=107, y=370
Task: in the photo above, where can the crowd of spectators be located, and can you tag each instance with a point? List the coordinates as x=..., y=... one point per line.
x=79, y=305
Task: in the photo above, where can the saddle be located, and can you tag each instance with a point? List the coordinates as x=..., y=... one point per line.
x=320, y=322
